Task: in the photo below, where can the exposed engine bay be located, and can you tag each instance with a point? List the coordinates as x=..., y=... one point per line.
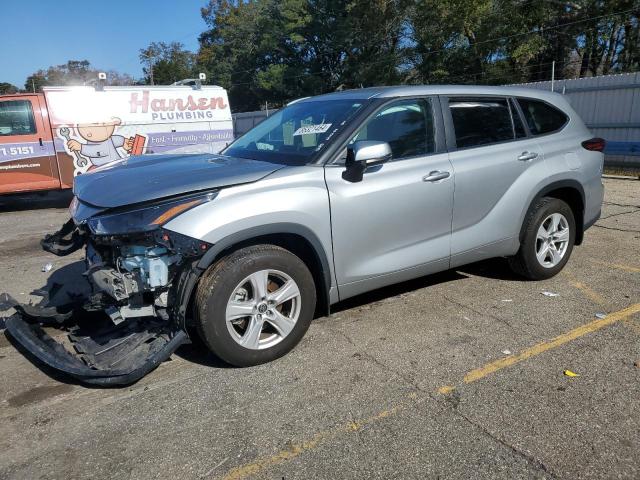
x=136, y=273
x=134, y=317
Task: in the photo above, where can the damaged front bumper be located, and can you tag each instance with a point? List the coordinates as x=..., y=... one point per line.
x=113, y=356
x=134, y=318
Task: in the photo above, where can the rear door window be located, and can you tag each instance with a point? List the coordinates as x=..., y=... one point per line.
x=16, y=118
x=541, y=117
x=480, y=120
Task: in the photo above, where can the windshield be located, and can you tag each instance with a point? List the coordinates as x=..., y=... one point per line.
x=295, y=134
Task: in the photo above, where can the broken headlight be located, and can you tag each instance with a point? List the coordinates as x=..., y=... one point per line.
x=147, y=218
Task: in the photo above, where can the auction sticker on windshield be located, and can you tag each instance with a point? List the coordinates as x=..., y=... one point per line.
x=307, y=129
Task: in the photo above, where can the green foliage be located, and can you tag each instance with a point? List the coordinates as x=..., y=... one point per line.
x=7, y=88
x=74, y=72
x=166, y=63
x=274, y=51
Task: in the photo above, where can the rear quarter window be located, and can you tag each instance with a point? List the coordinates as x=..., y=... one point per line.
x=541, y=117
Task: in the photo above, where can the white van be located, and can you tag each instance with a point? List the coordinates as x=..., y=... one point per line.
x=47, y=139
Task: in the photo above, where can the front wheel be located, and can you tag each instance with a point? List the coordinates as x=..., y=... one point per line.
x=549, y=235
x=255, y=305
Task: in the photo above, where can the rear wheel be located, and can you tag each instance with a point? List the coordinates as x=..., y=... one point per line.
x=550, y=231
x=255, y=305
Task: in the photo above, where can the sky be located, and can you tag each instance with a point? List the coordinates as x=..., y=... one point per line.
x=39, y=33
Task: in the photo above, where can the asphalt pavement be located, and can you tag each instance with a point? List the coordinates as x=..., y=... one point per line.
x=456, y=375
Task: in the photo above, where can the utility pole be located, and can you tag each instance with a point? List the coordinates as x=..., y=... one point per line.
x=149, y=57
x=553, y=73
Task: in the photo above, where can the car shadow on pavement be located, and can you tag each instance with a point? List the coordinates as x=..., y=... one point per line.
x=67, y=282
x=35, y=201
x=197, y=352
x=397, y=289
x=493, y=268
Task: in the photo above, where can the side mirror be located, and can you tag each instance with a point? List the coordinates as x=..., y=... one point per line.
x=364, y=154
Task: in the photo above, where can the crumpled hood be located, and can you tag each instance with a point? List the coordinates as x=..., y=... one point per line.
x=149, y=177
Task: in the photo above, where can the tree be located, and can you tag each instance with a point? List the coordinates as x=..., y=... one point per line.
x=117, y=78
x=274, y=51
x=7, y=88
x=74, y=72
x=36, y=81
x=166, y=63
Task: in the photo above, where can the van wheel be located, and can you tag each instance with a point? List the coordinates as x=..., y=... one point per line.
x=255, y=305
x=550, y=231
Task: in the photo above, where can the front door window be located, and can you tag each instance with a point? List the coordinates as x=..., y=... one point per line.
x=16, y=118
x=407, y=126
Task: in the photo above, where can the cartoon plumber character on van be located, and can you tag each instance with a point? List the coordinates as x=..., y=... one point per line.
x=101, y=146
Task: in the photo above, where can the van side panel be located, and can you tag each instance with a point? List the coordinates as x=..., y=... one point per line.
x=93, y=127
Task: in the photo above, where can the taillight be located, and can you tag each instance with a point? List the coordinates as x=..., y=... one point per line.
x=594, y=144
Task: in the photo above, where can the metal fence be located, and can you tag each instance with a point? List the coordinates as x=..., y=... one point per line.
x=610, y=106
x=243, y=122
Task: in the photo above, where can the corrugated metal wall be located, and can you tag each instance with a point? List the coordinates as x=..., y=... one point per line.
x=243, y=122
x=610, y=106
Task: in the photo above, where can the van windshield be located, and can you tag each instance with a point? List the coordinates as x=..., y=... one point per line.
x=295, y=134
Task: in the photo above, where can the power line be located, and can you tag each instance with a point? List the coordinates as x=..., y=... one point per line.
x=433, y=52
x=545, y=29
x=491, y=40
x=535, y=31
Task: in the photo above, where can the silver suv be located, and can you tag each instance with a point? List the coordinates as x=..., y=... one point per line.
x=328, y=198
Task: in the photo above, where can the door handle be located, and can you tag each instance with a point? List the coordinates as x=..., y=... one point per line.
x=435, y=176
x=526, y=156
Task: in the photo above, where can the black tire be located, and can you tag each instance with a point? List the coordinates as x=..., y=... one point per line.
x=217, y=285
x=525, y=262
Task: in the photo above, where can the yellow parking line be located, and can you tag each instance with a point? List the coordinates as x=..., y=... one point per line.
x=296, y=449
x=591, y=294
x=446, y=389
x=542, y=347
x=619, y=266
x=594, y=296
x=626, y=268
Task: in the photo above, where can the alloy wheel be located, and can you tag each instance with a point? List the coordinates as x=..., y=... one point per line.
x=552, y=240
x=263, y=309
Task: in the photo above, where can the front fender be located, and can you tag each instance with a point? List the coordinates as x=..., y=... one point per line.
x=293, y=200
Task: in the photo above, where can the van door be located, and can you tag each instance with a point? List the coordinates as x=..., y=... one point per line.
x=394, y=224
x=27, y=156
x=492, y=156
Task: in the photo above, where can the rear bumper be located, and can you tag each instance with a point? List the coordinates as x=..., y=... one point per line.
x=118, y=356
x=593, y=202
